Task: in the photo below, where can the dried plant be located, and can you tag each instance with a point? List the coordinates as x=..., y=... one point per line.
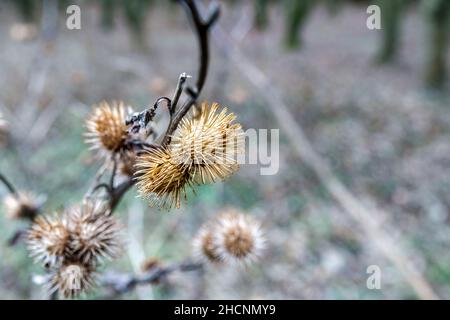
x=204, y=246
x=107, y=131
x=238, y=237
x=208, y=144
x=233, y=237
x=197, y=147
x=73, y=244
x=48, y=240
x=72, y=279
x=161, y=179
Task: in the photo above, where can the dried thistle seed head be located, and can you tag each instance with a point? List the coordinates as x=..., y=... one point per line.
x=238, y=237
x=4, y=131
x=208, y=144
x=160, y=179
x=72, y=279
x=48, y=240
x=94, y=234
x=204, y=246
x=22, y=205
x=106, y=126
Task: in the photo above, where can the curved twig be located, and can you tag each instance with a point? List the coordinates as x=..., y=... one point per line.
x=120, y=283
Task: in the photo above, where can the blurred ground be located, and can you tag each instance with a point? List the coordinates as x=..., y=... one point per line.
x=386, y=138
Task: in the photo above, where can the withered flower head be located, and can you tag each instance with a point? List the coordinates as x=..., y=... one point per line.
x=72, y=279
x=238, y=237
x=160, y=179
x=106, y=126
x=204, y=246
x=22, y=205
x=94, y=234
x=4, y=130
x=73, y=245
x=208, y=144
x=48, y=239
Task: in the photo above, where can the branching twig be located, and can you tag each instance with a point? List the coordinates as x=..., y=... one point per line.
x=201, y=27
x=121, y=283
x=118, y=192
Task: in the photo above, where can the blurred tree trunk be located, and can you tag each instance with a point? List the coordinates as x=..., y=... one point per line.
x=390, y=23
x=295, y=16
x=437, y=14
x=261, y=19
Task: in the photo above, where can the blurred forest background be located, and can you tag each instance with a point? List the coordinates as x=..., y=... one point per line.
x=373, y=104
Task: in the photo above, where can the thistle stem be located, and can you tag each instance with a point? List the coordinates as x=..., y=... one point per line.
x=8, y=185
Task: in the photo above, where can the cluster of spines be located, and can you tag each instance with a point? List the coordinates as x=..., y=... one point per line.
x=203, y=149
x=72, y=245
x=107, y=132
x=232, y=237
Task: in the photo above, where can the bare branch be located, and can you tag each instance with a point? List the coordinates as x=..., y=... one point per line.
x=138, y=121
x=119, y=191
x=121, y=283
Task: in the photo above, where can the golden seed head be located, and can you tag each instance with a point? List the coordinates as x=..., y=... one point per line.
x=204, y=246
x=22, y=205
x=208, y=144
x=94, y=234
x=72, y=279
x=238, y=237
x=48, y=239
x=106, y=126
x=160, y=179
